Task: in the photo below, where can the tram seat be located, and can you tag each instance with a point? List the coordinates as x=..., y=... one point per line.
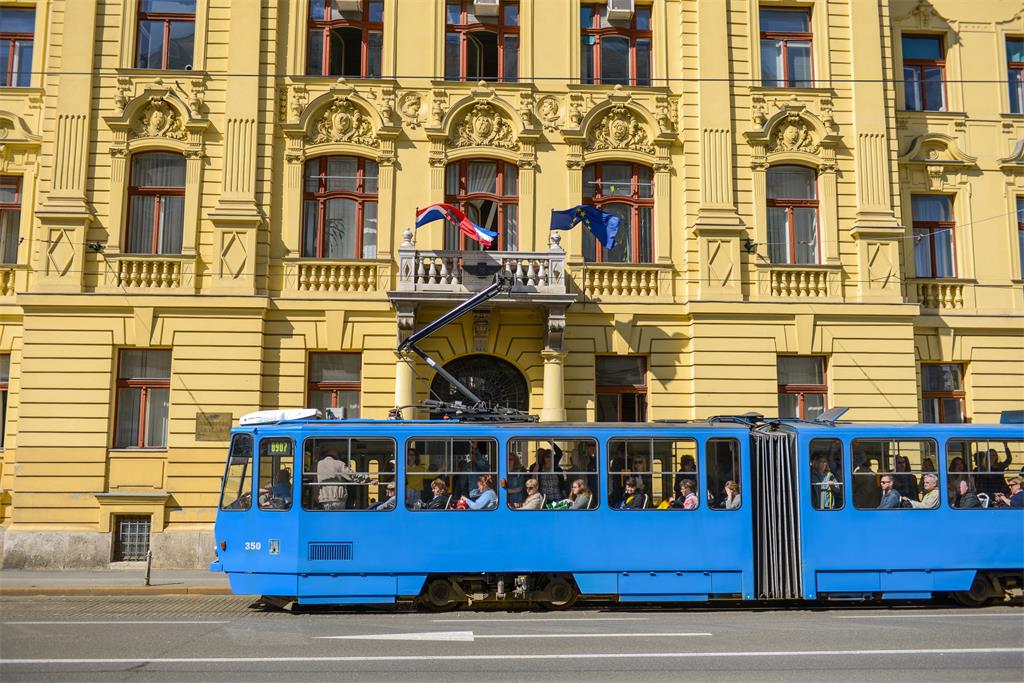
x=647, y=500
x=983, y=497
x=448, y=503
x=543, y=501
x=592, y=504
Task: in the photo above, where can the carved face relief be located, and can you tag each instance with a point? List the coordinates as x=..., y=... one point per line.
x=344, y=122
x=158, y=120
x=483, y=125
x=619, y=129
x=410, y=105
x=548, y=112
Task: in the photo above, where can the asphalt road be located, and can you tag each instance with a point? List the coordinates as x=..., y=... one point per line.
x=225, y=638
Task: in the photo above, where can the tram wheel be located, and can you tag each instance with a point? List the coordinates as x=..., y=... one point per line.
x=562, y=594
x=977, y=596
x=440, y=596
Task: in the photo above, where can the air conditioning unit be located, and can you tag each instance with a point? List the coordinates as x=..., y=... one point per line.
x=349, y=6
x=620, y=10
x=486, y=8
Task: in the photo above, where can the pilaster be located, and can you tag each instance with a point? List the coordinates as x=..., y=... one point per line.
x=553, y=409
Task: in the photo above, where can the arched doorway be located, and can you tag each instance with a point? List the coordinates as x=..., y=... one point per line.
x=492, y=379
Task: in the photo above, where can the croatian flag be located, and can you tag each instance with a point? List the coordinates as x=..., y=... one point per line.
x=439, y=212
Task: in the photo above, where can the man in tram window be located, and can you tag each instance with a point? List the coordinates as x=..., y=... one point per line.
x=331, y=469
x=824, y=487
x=891, y=498
x=966, y=498
x=866, y=492
x=1016, y=497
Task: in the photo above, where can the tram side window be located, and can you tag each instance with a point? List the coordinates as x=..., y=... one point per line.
x=723, y=459
x=277, y=466
x=341, y=473
x=985, y=474
x=653, y=474
x=451, y=474
x=552, y=474
x=237, y=493
x=826, y=461
x=889, y=474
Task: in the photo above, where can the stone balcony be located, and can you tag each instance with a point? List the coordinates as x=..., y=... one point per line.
x=167, y=273
x=941, y=294
x=818, y=282
x=608, y=282
x=325, y=277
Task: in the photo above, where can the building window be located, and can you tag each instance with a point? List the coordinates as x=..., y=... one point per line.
x=1015, y=72
x=792, y=215
x=803, y=389
x=488, y=193
x=131, y=537
x=621, y=388
x=5, y=382
x=481, y=47
x=10, y=218
x=786, y=49
x=1020, y=234
x=345, y=42
x=156, y=203
x=924, y=73
x=17, y=28
x=143, y=396
x=334, y=382
x=627, y=191
x=614, y=52
x=942, y=393
x=934, y=239
x=167, y=30
x=340, y=208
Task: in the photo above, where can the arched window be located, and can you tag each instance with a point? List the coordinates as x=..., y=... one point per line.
x=625, y=190
x=339, y=212
x=345, y=42
x=488, y=192
x=792, y=215
x=156, y=203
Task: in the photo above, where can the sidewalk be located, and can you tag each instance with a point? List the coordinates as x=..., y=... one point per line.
x=127, y=581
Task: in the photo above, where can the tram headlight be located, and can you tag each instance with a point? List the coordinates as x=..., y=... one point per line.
x=224, y=545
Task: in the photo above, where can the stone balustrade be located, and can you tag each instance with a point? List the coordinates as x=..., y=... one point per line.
x=336, y=276
x=610, y=280
x=148, y=271
x=800, y=282
x=939, y=294
x=471, y=271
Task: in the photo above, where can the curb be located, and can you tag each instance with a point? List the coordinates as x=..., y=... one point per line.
x=116, y=590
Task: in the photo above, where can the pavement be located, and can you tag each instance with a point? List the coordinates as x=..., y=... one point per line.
x=234, y=638
x=130, y=580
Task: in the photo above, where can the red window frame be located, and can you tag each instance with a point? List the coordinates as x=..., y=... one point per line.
x=920, y=65
x=157, y=191
x=13, y=39
x=167, y=18
x=785, y=37
x=1019, y=68
x=327, y=25
x=801, y=390
x=789, y=205
x=322, y=195
x=1020, y=233
x=938, y=396
x=15, y=182
x=4, y=399
x=498, y=27
x=463, y=198
x=633, y=33
x=932, y=227
x=639, y=390
x=634, y=200
x=332, y=386
x=145, y=385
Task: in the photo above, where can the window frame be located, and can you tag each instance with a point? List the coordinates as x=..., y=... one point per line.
x=931, y=228
x=1020, y=234
x=167, y=18
x=699, y=449
x=802, y=389
x=920, y=65
x=499, y=28
x=841, y=480
x=634, y=200
x=738, y=454
x=249, y=472
x=971, y=474
x=322, y=195
x=5, y=397
x=619, y=389
x=275, y=460
x=938, y=396
x=332, y=385
x=790, y=205
x=144, y=385
x=594, y=495
x=349, y=438
x=463, y=197
x=13, y=39
x=1018, y=68
x=411, y=442
x=18, y=183
x=632, y=33
x=327, y=26
x=785, y=37
x=158, y=192
x=939, y=468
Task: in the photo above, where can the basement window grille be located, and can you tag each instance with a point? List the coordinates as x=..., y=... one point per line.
x=131, y=539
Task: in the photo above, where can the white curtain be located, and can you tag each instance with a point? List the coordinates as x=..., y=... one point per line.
x=10, y=220
x=481, y=176
x=339, y=229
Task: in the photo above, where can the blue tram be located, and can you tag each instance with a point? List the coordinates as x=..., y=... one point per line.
x=448, y=513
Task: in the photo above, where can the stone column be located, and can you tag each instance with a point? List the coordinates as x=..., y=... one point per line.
x=405, y=382
x=554, y=389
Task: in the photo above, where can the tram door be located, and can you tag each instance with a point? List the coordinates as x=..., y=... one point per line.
x=777, y=547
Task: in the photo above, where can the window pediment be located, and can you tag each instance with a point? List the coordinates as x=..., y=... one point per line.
x=936, y=148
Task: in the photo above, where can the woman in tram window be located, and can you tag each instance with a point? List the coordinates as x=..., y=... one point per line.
x=534, y=498
x=516, y=490
x=904, y=481
x=824, y=486
x=687, y=498
x=487, y=499
x=732, y=495
x=579, y=497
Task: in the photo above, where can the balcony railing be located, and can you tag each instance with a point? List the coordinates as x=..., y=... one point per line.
x=349, y=276
x=940, y=294
x=800, y=282
x=610, y=280
x=7, y=279
x=471, y=271
x=149, y=271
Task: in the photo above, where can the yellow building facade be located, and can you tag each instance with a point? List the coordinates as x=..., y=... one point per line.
x=822, y=204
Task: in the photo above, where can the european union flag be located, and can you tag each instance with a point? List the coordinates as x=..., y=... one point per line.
x=604, y=225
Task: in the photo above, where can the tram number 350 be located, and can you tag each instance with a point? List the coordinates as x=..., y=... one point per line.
x=253, y=545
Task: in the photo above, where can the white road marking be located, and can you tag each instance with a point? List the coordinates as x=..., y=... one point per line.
x=507, y=656
x=129, y=623
x=520, y=621
x=958, y=615
x=469, y=636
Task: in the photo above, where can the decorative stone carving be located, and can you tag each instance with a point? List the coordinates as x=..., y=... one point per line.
x=619, y=129
x=344, y=122
x=410, y=106
x=438, y=106
x=483, y=126
x=666, y=114
x=158, y=119
x=300, y=97
x=526, y=109
x=549, y=112
x=575, y=110
x=793, y=134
